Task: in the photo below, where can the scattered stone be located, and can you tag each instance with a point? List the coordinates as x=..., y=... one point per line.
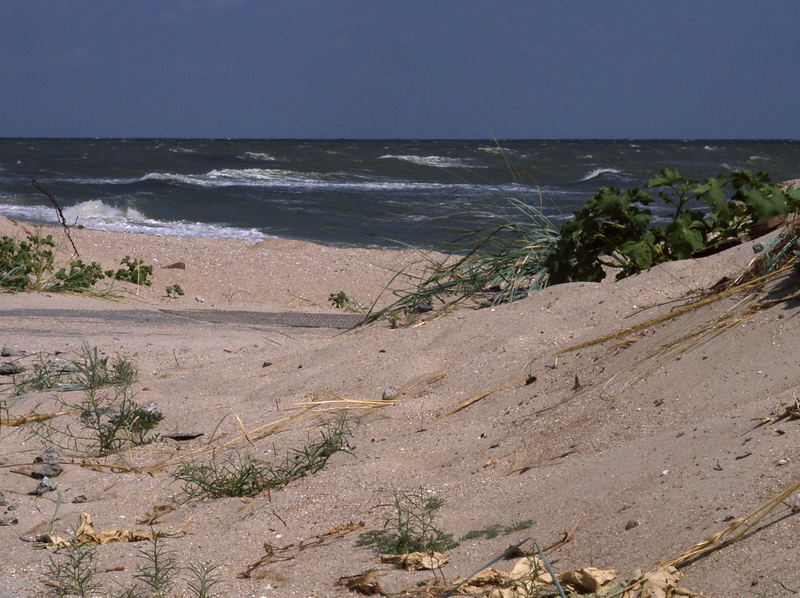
x=13, y=507
x=175, y=266
x=423, y=307
x=199, y=299
x=79, y=499
x=8, y=521
x=47, y=470
x=183, y=436
x=743, y=455
x=758, y=247
x=151, y=408
x=49, y=457
x=631, y=524
x=2, y=500
x=46, y=485
x=780, y=462
x=266, y=364
x=8, y=368
x=8, y=352
x=390, y=393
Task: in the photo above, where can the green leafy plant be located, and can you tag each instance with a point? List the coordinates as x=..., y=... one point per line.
x=410, y=526
x=74, y=574
x=174, y=291
x=615, y=228
x=134, y=270
x=29, y=266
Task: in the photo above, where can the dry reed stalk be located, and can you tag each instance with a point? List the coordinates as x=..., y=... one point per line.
x=33, y=418
x=483, y=395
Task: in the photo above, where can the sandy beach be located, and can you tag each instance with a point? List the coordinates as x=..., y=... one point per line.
x=622, y=454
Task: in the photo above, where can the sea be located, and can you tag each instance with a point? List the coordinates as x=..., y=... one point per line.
x=379, y=193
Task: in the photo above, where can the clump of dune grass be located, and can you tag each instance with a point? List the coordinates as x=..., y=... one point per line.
x=500, y=264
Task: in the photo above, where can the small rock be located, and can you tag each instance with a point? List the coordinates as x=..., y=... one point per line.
x=758, y=248
x=49, y=457
x=13, y=507
x=8, y=368
x=390, y=393
x=176, y=266
x=46, y=485
x=266, y=364
x=79, y=499
x=47, y=470
x=8, y=521
x=780, y=462
x=199, y=299
x=8, y=352
x=631, y=524
x=2, y=500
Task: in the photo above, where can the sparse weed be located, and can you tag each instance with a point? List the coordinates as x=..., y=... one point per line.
x=158, y=572
x=202, y=580
x=243, y=476
x=246, y=476
x=109, y=417
x=496, y=529
x=74, y=574
x=411, y=526
x=313, y=456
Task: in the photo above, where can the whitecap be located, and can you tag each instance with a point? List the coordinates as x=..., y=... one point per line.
x=434, y=161
x=709, y=148
x=257, y=156
x=182, y=150
x=758, y=159
x=496, y=149
x=598, y=172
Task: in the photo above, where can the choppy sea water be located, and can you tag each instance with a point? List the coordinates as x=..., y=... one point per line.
x=379, y=193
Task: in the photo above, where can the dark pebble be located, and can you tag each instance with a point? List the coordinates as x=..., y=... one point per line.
x=8, y=352
x=12, y=507
x=8, y=521
x=47, y=470
x=49, y=457
x=7, y=368
x=46, y=485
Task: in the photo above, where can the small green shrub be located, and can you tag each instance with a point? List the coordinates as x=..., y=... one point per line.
x=159, y=569
x=615, y=228
x=133, y=270
x=411, y=525
x=343, y=301
x=202, y=580
x=174, y=291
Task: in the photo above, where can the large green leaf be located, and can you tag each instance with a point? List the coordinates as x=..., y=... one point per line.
x=683, y=240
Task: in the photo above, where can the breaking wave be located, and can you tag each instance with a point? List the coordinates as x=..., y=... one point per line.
x=435, y=161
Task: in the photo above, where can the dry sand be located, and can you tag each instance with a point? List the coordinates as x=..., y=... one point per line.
x=638, y=459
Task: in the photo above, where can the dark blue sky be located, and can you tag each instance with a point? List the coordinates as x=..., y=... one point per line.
x=400, y=69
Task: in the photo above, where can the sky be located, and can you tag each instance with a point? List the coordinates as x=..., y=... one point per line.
x=535, y=69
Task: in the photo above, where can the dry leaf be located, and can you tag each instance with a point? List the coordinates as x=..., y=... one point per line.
x=366, y=583
x=588, y=579
x=417, y=561
x=85, y=534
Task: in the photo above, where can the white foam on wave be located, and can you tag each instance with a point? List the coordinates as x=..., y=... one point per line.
x=97, y=214
x=257, y=156
x=434, y=161
x=496, y=149
x=709, y=148
x=597, y=172
x=758, y=159
x=182, y=150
